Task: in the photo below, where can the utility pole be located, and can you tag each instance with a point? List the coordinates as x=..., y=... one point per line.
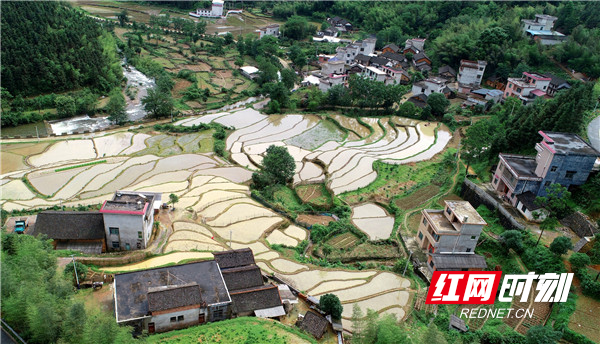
x=230, y=233
x=75, y=267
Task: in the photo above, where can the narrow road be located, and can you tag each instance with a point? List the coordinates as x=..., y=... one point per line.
x=593, y=131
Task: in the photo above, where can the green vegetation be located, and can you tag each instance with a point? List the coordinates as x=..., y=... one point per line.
x=373, y=328
x=330, y=304
x=233, y=331
x=51, y=34
x=278, y=168
x=80, y=165
x=38, y=299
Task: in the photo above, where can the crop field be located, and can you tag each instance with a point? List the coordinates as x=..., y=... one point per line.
x=584, y=319
x=373, y=220
x=343, y=240
x=315, y=194
x=417, y=197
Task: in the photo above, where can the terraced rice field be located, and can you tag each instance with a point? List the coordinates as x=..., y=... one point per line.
x=373, y=220
x=218, y=210
x=320, y=148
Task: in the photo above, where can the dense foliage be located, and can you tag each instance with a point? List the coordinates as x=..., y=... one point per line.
x=278, y=168
x=331, y=304
x=38, y=299
x=49, y=47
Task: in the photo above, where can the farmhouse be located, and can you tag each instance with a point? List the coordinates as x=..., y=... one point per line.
x=450, y=237
x=541, y=29
x=249, y=72
x=556, y=84
x=269, y=30
x=429, y=86
x=562, y=158
x=340, y=23
x=73, y=230
x=216, y=11
x=470, y=73
x=527, y=88
x=414, y=45
x=314, y=324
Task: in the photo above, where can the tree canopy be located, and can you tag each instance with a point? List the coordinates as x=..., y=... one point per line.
x=278, y=167
x=331, y=304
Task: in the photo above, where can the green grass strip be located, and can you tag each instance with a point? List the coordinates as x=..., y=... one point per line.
x=80, y=165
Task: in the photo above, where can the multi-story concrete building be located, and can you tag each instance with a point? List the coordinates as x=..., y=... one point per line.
x=348, y=53
x=562, y=158
x=541, y=22
x=333, y=66
x=128, y=219
x=470, y=73
x=374, y=73
x=527, y=88
x=449, y=236
x=429, y=86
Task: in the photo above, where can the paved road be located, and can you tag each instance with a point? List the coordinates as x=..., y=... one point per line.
x=593, y=132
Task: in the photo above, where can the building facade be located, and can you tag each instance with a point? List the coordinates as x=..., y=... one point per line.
x=215, y=11
x=129, y=219
x=561, y=158
x=450, y=236
x=527, y=88
x=270, y=30
x=471, y=72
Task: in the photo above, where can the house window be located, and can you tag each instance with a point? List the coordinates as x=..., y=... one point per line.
x=523, y=207
x=570, y=174
x=518, y=90
x=113, y=230
x=140, y=235
x=473, y=237
x=468, y=250
x=180, y=318
x=431, y=264
x=421, y=235
x=115, y=244
x=435, y=236
x=478, y=76
x=553, y=169
x=509, y=85
x=425, y=221
x=480, y=68
x=448, y=211
x=544, y=87
x=495, y=180
x=173, y=319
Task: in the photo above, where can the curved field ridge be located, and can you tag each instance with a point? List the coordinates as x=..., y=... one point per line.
x=373, y=220
x=320, y=149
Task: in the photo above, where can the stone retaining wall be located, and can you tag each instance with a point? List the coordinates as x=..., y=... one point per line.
x=580, y=224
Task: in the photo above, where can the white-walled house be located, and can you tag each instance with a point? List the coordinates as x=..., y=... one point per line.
x=215, y=11
x=429, y=86
x=471, y=72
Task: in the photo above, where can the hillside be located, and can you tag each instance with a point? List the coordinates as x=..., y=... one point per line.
x=50, y=47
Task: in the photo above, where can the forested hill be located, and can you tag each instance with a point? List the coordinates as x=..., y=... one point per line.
x=49, y=47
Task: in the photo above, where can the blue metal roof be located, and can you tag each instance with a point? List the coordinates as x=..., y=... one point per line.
x=544, y=33
x=486, y=91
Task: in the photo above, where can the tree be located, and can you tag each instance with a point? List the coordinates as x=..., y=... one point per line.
x=407, y=109
x=433, y=335
x=116, y=108
x=123, y=17
x=297, y=56
x=74, y=323
x=165, y=83
x=65, y=106
x=297, y=28
x=331, y=304
x=561, y=245
x=358, y=323
x=288, y=78
x=556, y=200
x=512, y=239
x=173, y=198
x=278, y=167
x=278, y=92
x=579, y=260
x=542, y=335
x=549, y=223
x=157, y=103
x=438, y=103
x=81, y=271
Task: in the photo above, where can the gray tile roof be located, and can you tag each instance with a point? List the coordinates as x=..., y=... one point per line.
x=70, y=225
x=528, y=198
x=568, y=143
x=251, y=299
x=169, y=297
x=131, y=288
x=234, y=258
x=459, y=261
x=242, y=277
x=314, y=324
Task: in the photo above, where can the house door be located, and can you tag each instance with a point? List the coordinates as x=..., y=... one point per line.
x=201, y=318
x=151, y=327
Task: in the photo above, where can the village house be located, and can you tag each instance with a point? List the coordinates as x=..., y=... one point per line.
x=362, y=59
x=269, y=30
x=470, y=74
x=249, y=72
x=216, y=11
x=414, y=46
x=495, y=82
x=72, y=230
x=487, y=94
x=123, y=223
x=331, y=32
x=420, y=100
x=348, y=53
x=374, y=74
x=129, y=218
x=395, y=60
x=527, y=88
x=314, y=324
x=450, y=236
x=340, y=23
x=174, y=297
x=556, y=84
x=395, y=76
x=327, y=82
x=447, y=72
x=562, y=158
x=429, y=86
x=390, y=48
x=422, y=62
x=541, y=29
